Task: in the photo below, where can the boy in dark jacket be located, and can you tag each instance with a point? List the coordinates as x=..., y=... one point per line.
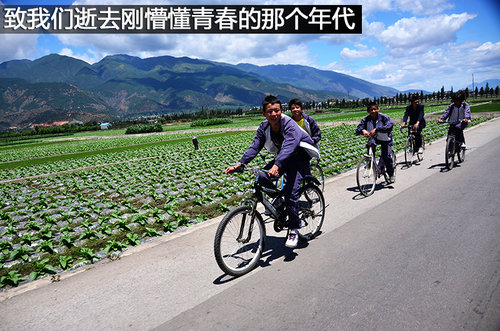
x=415, y=112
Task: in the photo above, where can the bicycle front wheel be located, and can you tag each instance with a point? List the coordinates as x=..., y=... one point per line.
x=317, y=172
x=449, y=153
x=239, y=241
x=409, y=152
x=461, y=154
x=366, y=176
x=311, y=211
x=420, y=156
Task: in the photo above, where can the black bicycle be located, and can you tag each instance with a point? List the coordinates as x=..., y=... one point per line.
x=241, y=235
x=453, y=148
x=412, y=154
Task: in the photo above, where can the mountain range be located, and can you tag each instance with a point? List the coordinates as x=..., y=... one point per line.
x=60, y=88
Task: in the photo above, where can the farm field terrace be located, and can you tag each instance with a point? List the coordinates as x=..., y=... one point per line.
x=66, y=203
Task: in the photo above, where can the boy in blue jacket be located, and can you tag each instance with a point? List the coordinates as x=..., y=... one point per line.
x=378, y=128
x=293, y=147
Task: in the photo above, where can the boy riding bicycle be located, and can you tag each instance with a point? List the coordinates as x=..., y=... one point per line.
x=415, y=113
x=378, y=128
x=458, y=111
x=280, y=135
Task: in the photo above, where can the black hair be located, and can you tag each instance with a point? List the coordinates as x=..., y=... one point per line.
x=270, y=100
x=371, y=104
x=414, y=97
x=295, y=101
x=458, y=96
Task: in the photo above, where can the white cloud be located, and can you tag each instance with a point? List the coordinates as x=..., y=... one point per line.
x=450, y=65
x=416, y=35
x=18, y=46
x=423, y=7
x=362, y=52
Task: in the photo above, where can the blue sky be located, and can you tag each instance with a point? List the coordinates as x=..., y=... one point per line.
x=406, y=44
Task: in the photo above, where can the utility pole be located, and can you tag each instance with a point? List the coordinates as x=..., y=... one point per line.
x=473, y=83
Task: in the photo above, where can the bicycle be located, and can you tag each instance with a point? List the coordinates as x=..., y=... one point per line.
x=368, y=170
x=411, y=152
x=452, y=148
x=241, y=235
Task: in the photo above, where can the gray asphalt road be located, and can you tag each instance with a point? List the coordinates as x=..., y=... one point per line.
x=426, y=259
x=376, y=265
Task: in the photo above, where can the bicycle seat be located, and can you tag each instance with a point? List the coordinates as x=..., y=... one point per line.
x=310, y=178
x=272, y=192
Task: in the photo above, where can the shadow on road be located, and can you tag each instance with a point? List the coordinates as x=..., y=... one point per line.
x=274, y=249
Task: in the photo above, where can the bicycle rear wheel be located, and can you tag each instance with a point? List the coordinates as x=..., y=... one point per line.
x=239, y=241
x=409, y=152
x=311, y=211
x=366, y=176
x=317, y=172
x=449, y=153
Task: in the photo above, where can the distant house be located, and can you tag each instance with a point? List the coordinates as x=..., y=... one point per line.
x=105, y=126
x=75, y=122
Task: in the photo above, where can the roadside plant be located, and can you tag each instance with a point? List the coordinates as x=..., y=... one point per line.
x=133, y=239
x=114, y=245
x=12, y=278
x=41, y=269
x=150, y=232
x=88, y=254
x=65, y=261
x=169, y=226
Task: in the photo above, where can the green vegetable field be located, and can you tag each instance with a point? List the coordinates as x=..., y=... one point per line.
x=69, y=202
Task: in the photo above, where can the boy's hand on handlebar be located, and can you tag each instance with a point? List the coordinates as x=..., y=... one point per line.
x=274, y=171
x=235, y=168
x=440, y=120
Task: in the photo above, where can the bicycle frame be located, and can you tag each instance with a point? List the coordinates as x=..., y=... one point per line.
x=456, y=150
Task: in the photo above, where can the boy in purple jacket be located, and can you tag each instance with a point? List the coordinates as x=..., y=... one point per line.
x=458, y=111
x=378, y=128
x=293, y=147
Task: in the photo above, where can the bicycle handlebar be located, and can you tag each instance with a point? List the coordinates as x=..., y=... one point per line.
x=447, y=122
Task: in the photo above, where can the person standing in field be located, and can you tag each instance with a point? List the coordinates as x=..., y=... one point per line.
x=196, y=142
x=293, y=148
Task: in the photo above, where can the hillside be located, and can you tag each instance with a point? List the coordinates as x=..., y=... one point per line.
x=127, y=87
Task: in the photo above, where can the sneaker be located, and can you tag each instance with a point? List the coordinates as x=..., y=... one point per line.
x=392, y=179
x=293, y=239
x=420, y=150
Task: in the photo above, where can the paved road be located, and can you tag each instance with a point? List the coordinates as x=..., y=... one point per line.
x=376, y=265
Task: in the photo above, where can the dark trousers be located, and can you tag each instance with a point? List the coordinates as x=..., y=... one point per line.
x=296, y=168
x=386, y=155
x=458, y=130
